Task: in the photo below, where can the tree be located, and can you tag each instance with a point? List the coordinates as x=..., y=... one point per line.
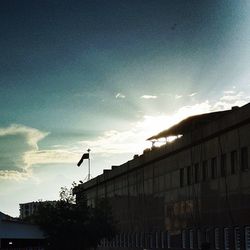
x=74, y=226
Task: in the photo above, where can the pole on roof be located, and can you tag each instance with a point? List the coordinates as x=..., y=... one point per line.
x=88, y=178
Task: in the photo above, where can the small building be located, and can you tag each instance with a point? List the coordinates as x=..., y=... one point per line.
x=190, y=191
x=29, y=208
x=15, y=234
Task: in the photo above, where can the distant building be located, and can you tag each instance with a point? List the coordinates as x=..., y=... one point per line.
x=28, y=209
x=193, y=190
x=15, y=234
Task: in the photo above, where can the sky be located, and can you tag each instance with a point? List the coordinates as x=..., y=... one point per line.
x=106, y=75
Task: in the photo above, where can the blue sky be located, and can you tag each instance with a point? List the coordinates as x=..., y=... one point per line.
x=106, y=75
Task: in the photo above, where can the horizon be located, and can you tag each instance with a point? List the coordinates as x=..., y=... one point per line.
x=107, y=76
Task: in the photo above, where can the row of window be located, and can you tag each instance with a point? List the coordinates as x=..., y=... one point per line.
x=139, y=240
x=215, y=167
x=217, y=238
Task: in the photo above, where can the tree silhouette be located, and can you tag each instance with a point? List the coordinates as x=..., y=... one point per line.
x=74, y=226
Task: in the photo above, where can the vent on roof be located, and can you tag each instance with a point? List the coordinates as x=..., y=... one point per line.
x=235, y=107
x=135, y=156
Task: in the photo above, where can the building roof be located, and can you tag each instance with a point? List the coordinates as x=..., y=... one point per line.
x=189, y=124
x=12, y=228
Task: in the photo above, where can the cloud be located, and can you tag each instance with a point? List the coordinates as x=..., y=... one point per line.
x=149, y=97
x=61, y=155
x=15, y=175
x=20, y=152
x=230, y=92
x=230, y=99
x=32, y=135
x=134, y=141
x=231, y=96
x=15, y=141
x=193, y=94
x=178, y=96
x=119, y=95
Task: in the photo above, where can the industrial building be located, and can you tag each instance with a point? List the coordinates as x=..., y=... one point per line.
x=192, y=190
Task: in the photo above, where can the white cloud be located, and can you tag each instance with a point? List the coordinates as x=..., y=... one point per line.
x=15, y=175
x=32, y=135
x=113, y=142
x=231, y=96
x=134, y=140
x=149, y=97
x=230, y=99
x=230, y=92
x=120, y=95
x=131, y=140
x=14, y=165
x=178, y=96
x=193, y=94
x=63, y=155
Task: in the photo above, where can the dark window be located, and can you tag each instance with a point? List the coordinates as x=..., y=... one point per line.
x=196, y=173
x=244, y=158
x=189, y=175
x=234, y=160
x=204, y=170
x=182, y=177
x=223, y=165
x=213, y=168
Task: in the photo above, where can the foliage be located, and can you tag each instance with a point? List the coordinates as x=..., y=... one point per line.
x=74, y=226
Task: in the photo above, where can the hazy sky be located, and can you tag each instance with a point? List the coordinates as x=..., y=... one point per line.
x=106, y=75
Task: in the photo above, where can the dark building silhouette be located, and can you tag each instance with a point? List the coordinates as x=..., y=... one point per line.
x=192, y=193
x=19, y=235
x=29, y=208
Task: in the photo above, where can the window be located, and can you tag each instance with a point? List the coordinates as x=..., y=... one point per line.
x=163, y=235
x=213, y=168
x=151, y=241
x=189, y=175
x=234, y=160
x=237, y=238
x=156, y=240
x=183, y=239
x=204, y=170
x=216, y=238
x=247, y=238
x=199, y=238
x=244, y=158
x=226, y=238
x=223, y=165
x=196, y=173
x=207, y=235
x=191, y=239
x=169, y=240
x=182, y=177
x=142, y=239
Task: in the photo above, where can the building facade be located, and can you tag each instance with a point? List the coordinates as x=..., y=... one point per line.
x=193, y=190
